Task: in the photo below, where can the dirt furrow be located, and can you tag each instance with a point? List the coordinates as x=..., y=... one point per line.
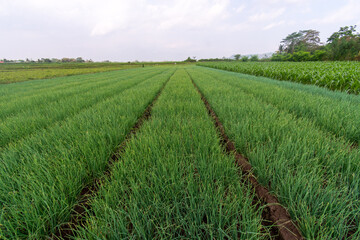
x=275, y=213
x=67, y=230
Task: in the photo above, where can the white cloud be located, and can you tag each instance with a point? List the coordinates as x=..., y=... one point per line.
x=272, y=25
x=105, y=16
x=265, y=16
x=349, y=12
x=178, y=44
x=190, y=13
x=240, y=9
x=281, y=2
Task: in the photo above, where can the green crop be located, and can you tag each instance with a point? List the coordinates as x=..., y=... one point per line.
x=25, y=115
x=10, y=73
x=42, y=175
x=337, y=113
x=173, y=180
x=343, y=76
x=314, y=173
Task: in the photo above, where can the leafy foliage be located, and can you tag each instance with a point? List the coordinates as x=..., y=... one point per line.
x=305, y=45
x=343, y=76
x=304, y=40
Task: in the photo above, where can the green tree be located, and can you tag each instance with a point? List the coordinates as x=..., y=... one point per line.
x=318, y=55
x=237, y=57
x=301, y=56
x=344, y=44
x=311, y=40
x=79, y=59
x=254, y=58
x=357, y=57
x=279, y=57
x=245, y=58
x=288, y=44
x=303, y=40
x=190, y=60
x=347, y=31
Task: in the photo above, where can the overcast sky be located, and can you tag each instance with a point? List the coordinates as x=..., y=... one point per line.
x=128, y=30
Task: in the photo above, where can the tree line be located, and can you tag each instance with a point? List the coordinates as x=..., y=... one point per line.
x=305, y=45
x=47, y=60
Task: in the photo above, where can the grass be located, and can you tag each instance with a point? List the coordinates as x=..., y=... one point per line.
x=313, y=172
x=173, y=180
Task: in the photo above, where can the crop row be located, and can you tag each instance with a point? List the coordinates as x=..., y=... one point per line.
x=313, y=172
x=174, y=181
x=343, y=76
x=337, y=113
x=19, y=121
x=42, y=174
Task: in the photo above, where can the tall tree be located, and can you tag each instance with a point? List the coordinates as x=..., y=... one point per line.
x=288, y=44
x=347, y=31
x=237, y=57
x=344, y=44
x=303, y=40
x=311, y=39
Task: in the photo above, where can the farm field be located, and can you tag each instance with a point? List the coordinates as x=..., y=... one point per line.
x=11, y=72
x=173, y=180
x=20, y=72
x=138, y=152
x=311, y=170
x=342, y=76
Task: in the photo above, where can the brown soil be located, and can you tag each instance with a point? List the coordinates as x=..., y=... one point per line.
x=275, y=214
x=354, y=146
x=67, y=230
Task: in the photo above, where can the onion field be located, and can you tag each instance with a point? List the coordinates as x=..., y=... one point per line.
x=178, y=152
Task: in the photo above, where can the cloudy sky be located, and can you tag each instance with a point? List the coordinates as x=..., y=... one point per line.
x=128, y=30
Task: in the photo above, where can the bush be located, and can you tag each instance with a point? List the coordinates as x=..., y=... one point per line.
x=301, y=56
x=254, y=58
x=245, y=58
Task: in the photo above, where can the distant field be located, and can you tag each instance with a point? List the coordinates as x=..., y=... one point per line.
x=11, y=72
x=343, y=76
x=136, y=154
